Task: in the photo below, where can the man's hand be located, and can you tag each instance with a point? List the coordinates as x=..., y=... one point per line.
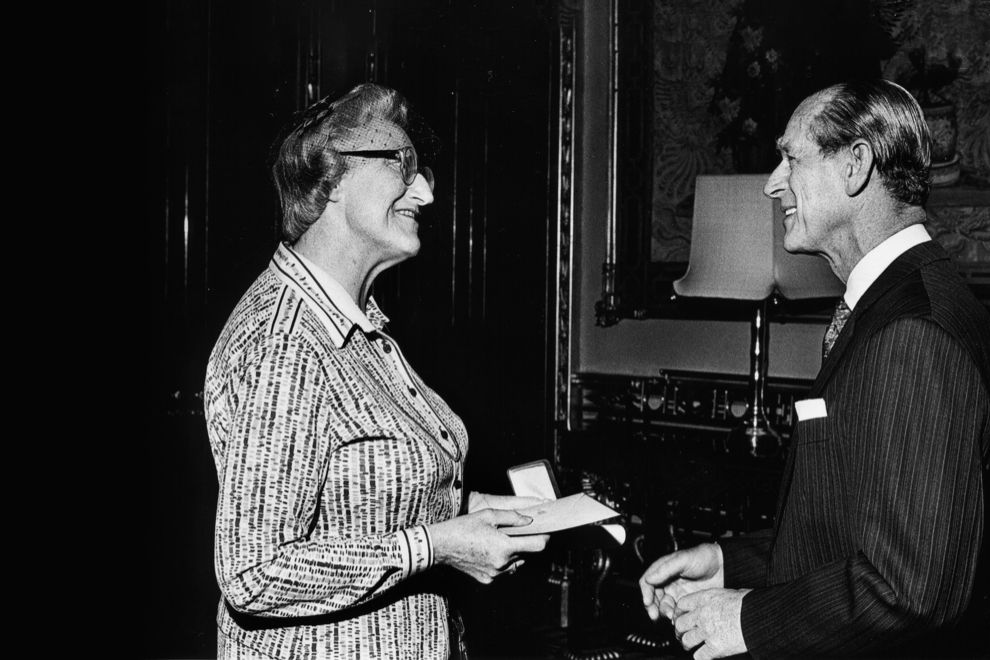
x=479, y=501
x=473, y=544
x=709, y=621
x=678, y=574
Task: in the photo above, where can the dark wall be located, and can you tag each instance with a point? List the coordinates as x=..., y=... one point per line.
x=221, y=79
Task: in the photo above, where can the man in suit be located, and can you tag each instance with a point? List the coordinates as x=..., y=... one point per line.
x=877, y=543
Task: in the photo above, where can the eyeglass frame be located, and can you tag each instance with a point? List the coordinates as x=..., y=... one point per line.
x=408, y=162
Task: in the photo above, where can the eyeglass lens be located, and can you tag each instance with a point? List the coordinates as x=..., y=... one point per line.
x=428, y=175
x=410, y=167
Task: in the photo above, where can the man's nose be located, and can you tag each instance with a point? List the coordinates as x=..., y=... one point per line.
x=777, y=181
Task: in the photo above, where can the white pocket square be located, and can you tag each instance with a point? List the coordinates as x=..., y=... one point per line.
x=810, y=409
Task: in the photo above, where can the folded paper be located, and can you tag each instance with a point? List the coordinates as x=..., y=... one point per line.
x=565, y=513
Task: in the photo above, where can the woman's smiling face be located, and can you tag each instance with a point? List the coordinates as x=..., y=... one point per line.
x=381, y=210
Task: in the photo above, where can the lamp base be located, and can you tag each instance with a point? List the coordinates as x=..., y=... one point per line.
x=754, y=438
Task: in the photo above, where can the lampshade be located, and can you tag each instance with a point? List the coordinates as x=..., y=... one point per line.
x=737, y=246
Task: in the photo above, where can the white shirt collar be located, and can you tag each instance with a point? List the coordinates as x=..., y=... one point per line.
x=335, y=291
x=872, y=265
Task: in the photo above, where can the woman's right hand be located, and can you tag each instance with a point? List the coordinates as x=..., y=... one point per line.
x=473, y=544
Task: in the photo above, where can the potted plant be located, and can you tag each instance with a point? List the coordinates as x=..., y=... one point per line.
x=926, y=83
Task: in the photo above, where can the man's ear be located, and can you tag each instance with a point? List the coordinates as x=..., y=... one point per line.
x=859, y=167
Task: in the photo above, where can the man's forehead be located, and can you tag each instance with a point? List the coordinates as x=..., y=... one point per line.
x=376, y=134
x=796, y=134
x=791, y=140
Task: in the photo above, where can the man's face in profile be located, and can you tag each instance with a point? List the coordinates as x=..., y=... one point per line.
x=808, y=184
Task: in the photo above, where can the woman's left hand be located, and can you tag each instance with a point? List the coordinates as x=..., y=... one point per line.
x=479, y=501
x=474, y=543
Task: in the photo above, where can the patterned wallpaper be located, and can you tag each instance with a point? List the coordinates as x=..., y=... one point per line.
x=698, y=42
x=690, y=42
x=960, y=28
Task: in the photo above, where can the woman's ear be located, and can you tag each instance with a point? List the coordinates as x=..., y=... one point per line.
x=859, y=167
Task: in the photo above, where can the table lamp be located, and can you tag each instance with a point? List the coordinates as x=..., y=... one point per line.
x=737, y=253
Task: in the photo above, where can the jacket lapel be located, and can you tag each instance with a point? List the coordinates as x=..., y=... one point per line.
x=864, y=316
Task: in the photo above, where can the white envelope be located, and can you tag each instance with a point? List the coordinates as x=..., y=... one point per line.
x=810, y=409
x=571, y=511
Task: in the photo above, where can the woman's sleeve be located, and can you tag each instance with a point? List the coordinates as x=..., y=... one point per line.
x=279, y=438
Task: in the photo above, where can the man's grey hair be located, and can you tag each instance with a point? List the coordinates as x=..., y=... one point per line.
x=887, y=117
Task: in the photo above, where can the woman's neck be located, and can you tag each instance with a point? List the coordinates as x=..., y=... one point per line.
x=340, y=264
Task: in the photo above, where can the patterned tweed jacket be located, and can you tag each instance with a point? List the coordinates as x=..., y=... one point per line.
x=332, y=456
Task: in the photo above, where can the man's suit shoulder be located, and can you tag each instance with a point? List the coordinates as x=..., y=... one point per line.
x=923, y=283
x=952, y=303
x=955, y=308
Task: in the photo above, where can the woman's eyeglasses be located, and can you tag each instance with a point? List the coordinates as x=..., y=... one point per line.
x=407, y=158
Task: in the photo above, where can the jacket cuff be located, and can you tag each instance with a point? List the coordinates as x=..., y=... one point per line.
x=745, y=560
x=416, y=547
x=760, y=632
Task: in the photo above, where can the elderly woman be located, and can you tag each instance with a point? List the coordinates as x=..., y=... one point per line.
x=340, y=472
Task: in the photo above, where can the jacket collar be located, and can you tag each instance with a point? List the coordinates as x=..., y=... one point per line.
x=874, y=262
x=909, y=262
x=332, y=305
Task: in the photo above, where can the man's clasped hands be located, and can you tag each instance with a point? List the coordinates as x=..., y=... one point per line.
x=686, y=587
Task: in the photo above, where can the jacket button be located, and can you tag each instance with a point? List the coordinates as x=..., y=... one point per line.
x=444, y=434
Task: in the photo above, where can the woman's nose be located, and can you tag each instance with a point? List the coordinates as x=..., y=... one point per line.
x=777, y=182
x=421, y=190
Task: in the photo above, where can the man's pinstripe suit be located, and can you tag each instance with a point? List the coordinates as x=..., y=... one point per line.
x=880, y=524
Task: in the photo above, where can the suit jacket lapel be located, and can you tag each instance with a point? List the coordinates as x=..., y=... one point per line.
x=865, y=316
x=828, y=365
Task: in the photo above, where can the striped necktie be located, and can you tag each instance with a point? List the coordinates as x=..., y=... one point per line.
x=839, y=318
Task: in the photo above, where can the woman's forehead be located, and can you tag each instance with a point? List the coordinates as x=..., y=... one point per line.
x=376, y=134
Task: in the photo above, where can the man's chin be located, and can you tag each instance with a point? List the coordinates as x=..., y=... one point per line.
x=794, y=247
x=795, y=243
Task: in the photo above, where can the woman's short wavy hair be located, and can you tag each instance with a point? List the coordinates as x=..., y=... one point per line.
x=886, y=116
x=307, y=166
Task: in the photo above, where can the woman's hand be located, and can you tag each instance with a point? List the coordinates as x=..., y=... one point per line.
x=478, y=501
x=473, y=544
